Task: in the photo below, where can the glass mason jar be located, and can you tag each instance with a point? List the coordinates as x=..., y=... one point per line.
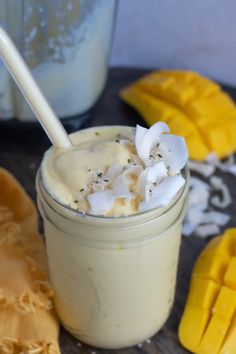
x=114, y=278
x=66, y=44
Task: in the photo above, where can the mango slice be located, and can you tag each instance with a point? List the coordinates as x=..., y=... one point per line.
x=203, y=293
x=229, y=346
x=225, y=304
x=208, y=324
x=193, y=106
x=213, y=336
x=195, y=318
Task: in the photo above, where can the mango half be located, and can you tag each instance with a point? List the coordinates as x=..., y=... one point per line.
x=208, y=324
x=192, y=105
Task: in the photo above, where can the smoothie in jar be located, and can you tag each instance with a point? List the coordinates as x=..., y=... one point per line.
x=113, y=206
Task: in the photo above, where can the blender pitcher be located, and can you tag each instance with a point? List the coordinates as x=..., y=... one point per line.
x=66, y=44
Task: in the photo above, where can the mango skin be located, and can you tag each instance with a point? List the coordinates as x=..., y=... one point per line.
x=208, y=323
x=192, y=105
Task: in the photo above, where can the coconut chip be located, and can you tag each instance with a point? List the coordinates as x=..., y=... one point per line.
x=163, y=193
x=221, y=165
x=195, y=215
x=199, y=193
x=196, y=182
x=139, y=135
x=207, y=230
x=203, y=169
x=188, y=228
x=121, y=184
x=156, y=172
x=218, y=185
x=113, y=172
x=146, y=139
x=198, y=198
x=143, y=186
x=101, y=202
x=178, y=152
x=216, y=217
x=149, y=177
x=232, y=169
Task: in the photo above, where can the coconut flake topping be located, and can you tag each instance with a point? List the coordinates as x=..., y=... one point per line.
x=153, y=176
x=208, y=197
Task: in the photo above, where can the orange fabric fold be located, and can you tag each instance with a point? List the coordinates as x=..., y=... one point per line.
x=28, y=323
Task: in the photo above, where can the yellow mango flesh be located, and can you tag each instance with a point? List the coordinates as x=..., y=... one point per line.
x=188, y=335
x=230, y=275
x=210, y=266
x=225, y=304
x=214, y=336
x=193, y=106
x=208, y=324
x=202, y=293
x=229, y=346
x=196, y=146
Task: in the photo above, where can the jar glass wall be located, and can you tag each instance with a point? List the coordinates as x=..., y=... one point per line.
x=114, y=277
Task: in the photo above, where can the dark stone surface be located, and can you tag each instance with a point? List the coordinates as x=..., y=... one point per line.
x=21, y=150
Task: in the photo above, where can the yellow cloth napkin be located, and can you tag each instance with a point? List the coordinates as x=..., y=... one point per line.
x=28, y=323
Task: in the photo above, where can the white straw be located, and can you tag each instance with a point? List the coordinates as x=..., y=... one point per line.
x=26, y=83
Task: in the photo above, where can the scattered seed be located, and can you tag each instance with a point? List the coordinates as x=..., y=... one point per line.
x=129, y=160
x=76, y=201
x=159, y=155
x=97, y=133
x=106, y=180
x=117, y=141
x=99, y=174
x=82, y=189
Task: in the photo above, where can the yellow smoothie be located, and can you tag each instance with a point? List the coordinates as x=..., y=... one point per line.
x=113, y=217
